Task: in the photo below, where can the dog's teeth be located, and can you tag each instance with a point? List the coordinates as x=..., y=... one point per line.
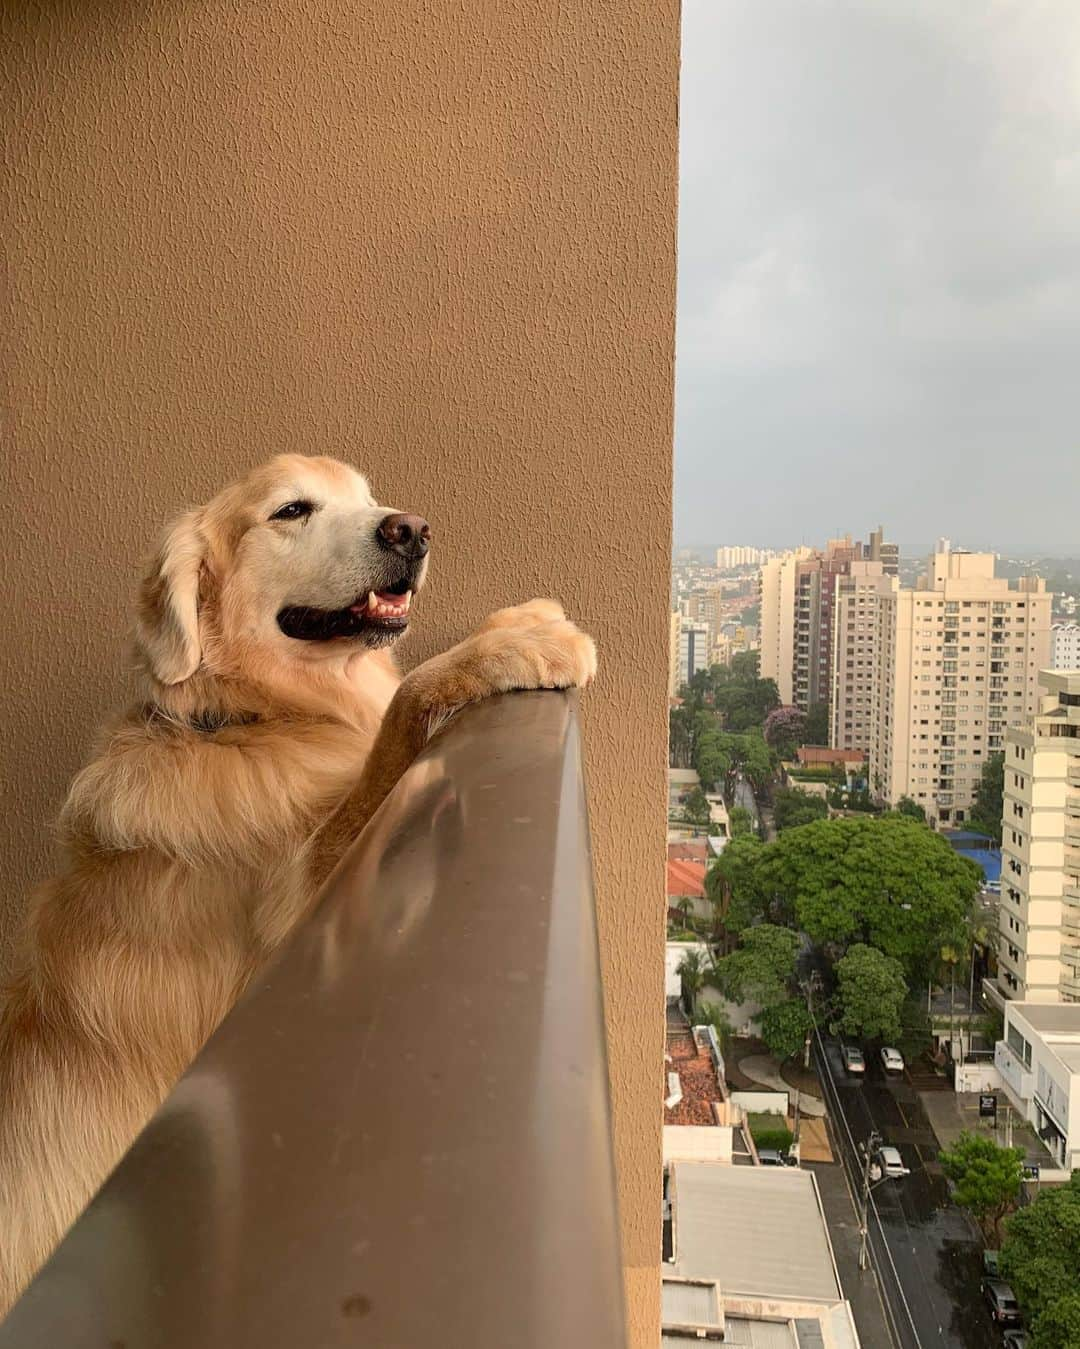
x=408, y=599
x=372, y=602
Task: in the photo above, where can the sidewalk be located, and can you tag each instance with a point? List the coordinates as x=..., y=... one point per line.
x=763, y=1070
x=860, y=1286
x=952, y=1113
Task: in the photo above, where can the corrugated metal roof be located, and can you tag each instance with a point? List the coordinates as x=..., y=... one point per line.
x=756, y=1231
x=689, y=1304
x=755, y=1334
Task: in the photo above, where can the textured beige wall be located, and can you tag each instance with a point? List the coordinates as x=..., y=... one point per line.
x=434, y=238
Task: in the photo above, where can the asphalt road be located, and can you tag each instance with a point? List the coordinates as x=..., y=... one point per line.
x=925, y=1249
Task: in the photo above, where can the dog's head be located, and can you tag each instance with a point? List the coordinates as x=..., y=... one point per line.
x=295, y=559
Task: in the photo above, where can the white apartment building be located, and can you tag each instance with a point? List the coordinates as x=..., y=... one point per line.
x=1065, y=654
x=854, y=648
x=740, y=556
x=776, y=588
x=1038, y=1062
x=1039, y=913
x=695, y=644
x=958, y=660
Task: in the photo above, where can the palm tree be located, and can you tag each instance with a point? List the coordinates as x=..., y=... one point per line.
x=692, y=973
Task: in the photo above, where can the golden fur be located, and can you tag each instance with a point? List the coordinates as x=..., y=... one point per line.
x=198, y=835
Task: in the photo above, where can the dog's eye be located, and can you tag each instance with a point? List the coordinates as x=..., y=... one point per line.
x=293, y=510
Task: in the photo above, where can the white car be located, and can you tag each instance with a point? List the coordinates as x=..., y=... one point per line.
x=891, y=1163
x=892, y=1060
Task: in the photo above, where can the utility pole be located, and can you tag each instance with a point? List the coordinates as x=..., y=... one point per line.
x=809, y=987
x=869, y=1148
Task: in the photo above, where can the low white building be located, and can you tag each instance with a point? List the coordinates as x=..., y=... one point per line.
x=748, y=1260
x=1038, y=1061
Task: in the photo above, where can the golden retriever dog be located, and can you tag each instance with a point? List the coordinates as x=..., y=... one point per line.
x=272, y=723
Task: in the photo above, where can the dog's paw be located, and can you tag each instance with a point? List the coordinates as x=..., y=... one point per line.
x=549, y=655
x=529, y=615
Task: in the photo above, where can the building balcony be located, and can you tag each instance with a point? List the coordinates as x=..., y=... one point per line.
x=406, y=1119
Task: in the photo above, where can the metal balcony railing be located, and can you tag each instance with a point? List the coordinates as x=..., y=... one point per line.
x=400, y=1137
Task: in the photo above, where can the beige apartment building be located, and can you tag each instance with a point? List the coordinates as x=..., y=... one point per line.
x=1039, y=915
x=957, y=663
x=777, y=589
x=855, y=644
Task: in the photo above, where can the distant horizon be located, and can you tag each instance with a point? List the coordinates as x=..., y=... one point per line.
x=907, y=551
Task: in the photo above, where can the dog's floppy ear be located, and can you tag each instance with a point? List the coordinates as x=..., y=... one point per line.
x=168, y=622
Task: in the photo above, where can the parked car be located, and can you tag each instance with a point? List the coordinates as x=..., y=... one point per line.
x=891, y=1163
x=1001, y=1300
x=990, y=1263
x=770, y=1157
x=853, y=1059
x=1015, y=1339
x=892, y=1060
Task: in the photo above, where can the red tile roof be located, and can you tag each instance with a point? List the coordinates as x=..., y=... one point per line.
x=686, y=878
x=688, y=850
x=697, y=1077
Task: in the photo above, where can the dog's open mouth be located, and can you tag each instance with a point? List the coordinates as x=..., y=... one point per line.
x=377, y=617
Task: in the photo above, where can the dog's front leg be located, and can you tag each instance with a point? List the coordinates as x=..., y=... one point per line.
x=531, y=646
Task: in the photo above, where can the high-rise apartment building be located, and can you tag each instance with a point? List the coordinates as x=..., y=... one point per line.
x=776, y=594
x=695, y=644
x=731, y=557
x=1066, y=648
x=878, y=550
x=816, y=579
x=673, y=654
x=855, y=648
x=957, y=662
x=798, y=593
x=1039, y=913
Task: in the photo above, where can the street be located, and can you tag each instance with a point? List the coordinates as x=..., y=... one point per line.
x=925, y=1249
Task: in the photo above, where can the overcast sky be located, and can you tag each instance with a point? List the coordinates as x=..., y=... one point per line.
x=879, y=285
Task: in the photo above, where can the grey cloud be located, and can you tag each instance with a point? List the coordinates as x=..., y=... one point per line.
x=879, y=293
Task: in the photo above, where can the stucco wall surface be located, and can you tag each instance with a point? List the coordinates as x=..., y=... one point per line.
x=434, y=238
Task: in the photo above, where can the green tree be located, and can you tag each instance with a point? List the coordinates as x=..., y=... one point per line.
x=816, y=729
x=1040, y=1257
x=784, y=1027
x=741, y=821
x=763, y=966
x=731, y=884
x=691, y=973
x=793, y=807
x=754, y=758
x=986, y=809
x=886, y=881
x=695, y=807
x=906, y=806
x=986, y=1177
x=871, y=990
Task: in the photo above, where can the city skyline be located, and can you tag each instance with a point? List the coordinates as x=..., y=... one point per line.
x=879, y=274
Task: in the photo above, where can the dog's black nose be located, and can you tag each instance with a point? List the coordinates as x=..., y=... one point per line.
x=407, y=535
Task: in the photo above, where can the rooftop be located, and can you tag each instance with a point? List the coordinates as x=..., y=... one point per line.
x=697, y=1078
x=1050, y=1019
x=758, y=1231
x=685, y=879
x=820, y=754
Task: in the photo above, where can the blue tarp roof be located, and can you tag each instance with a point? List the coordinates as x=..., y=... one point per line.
x=989, y=860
